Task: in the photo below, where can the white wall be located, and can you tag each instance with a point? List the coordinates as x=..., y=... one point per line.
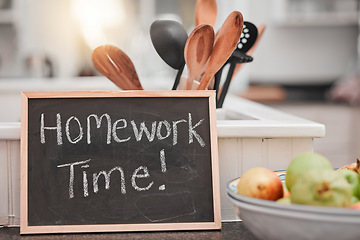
x=46, y=28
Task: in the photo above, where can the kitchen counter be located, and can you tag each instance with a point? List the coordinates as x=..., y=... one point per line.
x=231, y=230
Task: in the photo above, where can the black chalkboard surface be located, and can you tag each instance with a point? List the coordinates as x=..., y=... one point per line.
x=119, y=161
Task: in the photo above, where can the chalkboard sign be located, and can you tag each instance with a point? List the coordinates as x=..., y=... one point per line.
x=119, y=161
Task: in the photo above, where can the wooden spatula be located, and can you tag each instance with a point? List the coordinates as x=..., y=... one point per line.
x=116, y=66
x=225, y=42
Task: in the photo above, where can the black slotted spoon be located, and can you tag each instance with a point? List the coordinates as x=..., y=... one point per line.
x=247, y=40
x=248, y=37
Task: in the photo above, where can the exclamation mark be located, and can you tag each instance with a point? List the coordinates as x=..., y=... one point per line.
x=163, y=166
x=162, y=160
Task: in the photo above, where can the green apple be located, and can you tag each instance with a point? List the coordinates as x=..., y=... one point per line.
x=322, y=187
x=354, y=200
x=284, y=200
x=302, y=163
x=352, y=178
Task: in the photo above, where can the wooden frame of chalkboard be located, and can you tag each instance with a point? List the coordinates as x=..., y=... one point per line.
x=119, y=161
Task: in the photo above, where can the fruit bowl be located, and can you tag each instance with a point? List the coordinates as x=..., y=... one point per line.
x=270, y=220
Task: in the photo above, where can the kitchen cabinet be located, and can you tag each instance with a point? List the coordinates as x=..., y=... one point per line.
x=306, y=41
x=315, y=12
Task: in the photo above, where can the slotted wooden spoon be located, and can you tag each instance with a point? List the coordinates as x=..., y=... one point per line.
x=116, y=66
x=198, y=49
x=225, y=42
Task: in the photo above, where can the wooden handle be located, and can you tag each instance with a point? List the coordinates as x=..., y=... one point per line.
x=225, y=43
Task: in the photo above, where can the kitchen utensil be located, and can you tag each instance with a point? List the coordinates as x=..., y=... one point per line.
x=205, y=12
x=236, y=58
x=225, y=43
x=261, y=28
x=197, y=51
x=242, y=58
x=116, y=66
x=168, y=38
x=248, y=37
x=247, y=40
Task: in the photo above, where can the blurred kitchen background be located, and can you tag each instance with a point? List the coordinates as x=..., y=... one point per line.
x=306, y=64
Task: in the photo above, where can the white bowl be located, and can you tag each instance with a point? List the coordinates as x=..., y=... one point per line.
x=270, y=220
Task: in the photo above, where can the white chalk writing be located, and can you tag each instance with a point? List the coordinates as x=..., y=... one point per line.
x=107, y=179
x=141, y=172
x=139, y=133
x=119, y=131
x=98, y=125
x=192, y=132
x=116, y=127
x=67, y=130
x=57, y=128
x=72, y=175
x=138, y=175
x=162, y=160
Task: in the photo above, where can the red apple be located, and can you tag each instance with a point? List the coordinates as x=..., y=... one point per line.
x=260, y=183
x=355, y=206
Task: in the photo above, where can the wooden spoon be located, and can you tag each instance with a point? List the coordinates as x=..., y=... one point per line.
x=116, y=66
x=197, y=51
x=205, y=12
x=225, y=42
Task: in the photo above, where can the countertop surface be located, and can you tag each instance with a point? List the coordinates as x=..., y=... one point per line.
x=230, y=230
